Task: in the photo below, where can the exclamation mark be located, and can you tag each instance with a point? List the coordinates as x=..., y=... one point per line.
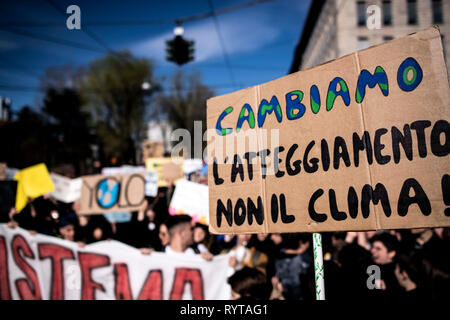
x=446, y=192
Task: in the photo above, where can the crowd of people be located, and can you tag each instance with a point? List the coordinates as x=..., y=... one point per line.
x=411, y=264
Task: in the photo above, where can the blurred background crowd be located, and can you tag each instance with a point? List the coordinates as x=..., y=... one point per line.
x=412, y=264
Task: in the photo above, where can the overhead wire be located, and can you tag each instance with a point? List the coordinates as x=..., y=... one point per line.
x=92, y=35
x=222, y=43
x=12, y=28
x=137, y=22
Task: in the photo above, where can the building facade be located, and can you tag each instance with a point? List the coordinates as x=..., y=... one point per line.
x=335, y=28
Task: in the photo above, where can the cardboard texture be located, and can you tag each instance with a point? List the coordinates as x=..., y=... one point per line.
x=32, y=182
x=114, y=193
x=168, y=169
x=361, y=143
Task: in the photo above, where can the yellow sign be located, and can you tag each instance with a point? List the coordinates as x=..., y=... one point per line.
x=32, y=182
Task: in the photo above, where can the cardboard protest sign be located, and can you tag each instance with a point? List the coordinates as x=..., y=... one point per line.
x=105, y=270
x=32, y=182
x=153, y=149
x=358, y=143
x=118, y=193
x=151, y=177
x=190, y=198
x=168, y=169
x=66, y=190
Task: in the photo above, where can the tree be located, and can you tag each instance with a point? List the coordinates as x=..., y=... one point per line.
x=24, y=141
x=186, y=102
x=62, y=77
x=68, y=124
x=118, y=103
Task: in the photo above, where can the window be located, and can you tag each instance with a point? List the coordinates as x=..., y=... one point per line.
x=363, y=43
x=387, y=38
x=361, y=7
x=412, y=12
x=387, y=14
x=437, y=11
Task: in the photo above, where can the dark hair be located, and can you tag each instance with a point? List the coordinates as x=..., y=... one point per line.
x=67, y=219
x=388, y=240
x=250, y=283
x=292, y=240
x=205, y=229
x=175, y=220
x=413, y=266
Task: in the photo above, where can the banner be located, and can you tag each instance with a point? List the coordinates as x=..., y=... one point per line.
x=358, y=143
x=66, y=190
x=190, y=198
x=118, y=193
x=44, y=267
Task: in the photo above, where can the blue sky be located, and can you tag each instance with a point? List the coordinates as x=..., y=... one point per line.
x=260, y=40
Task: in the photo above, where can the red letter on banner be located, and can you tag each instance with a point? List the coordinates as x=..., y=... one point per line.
x=152, y=288
x=89, y=261
x=28, y=288
x=56, y=254
x=183, y=275
x=122, y=288
x=5, y=293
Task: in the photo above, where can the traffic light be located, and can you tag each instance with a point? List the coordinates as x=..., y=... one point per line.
x=179, y=50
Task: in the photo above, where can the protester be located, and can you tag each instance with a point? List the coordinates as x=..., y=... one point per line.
x=412, y=263
x=431, y=247
x=164, y=236
x=262, y=242
x=67, y=229
x=223, y=243
x=202, y=239
x=249, y=284
x=99, y=229
x=181, y=236
x=384, y=250
x=142, y=230
x=243, y=256
x=293, y=265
